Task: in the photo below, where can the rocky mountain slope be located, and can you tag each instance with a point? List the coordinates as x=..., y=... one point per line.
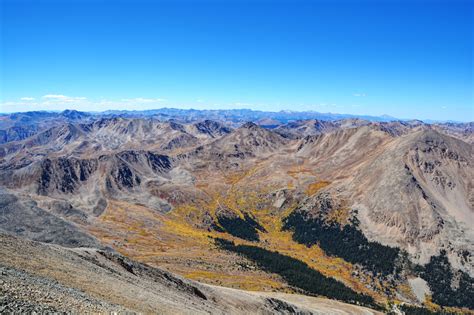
x=424, y=195
x=87, y=280
x=374, y=207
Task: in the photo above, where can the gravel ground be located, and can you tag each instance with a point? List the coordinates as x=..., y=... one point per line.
x=21, y=292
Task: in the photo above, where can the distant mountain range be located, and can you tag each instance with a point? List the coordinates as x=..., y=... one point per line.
x=235, y=115
x=18, y=126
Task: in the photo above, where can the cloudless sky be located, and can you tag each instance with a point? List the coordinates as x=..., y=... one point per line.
x=408, y=59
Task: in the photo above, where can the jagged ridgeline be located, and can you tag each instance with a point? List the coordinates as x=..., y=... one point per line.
x=297, y=273
x=346, y=241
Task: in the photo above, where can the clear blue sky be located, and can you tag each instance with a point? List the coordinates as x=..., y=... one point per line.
x=409, y=59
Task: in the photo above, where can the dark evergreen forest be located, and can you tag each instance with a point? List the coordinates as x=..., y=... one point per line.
x=246, y=228
x=347, y=242
x=298, y=274
x=440, y=275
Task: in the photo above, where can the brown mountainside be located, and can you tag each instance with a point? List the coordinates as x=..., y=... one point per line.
x=162, y=192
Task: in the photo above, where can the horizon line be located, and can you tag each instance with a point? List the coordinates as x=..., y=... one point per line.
x=357, y=116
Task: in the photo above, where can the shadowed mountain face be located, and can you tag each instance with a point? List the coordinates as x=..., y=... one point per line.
x=371, y=206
